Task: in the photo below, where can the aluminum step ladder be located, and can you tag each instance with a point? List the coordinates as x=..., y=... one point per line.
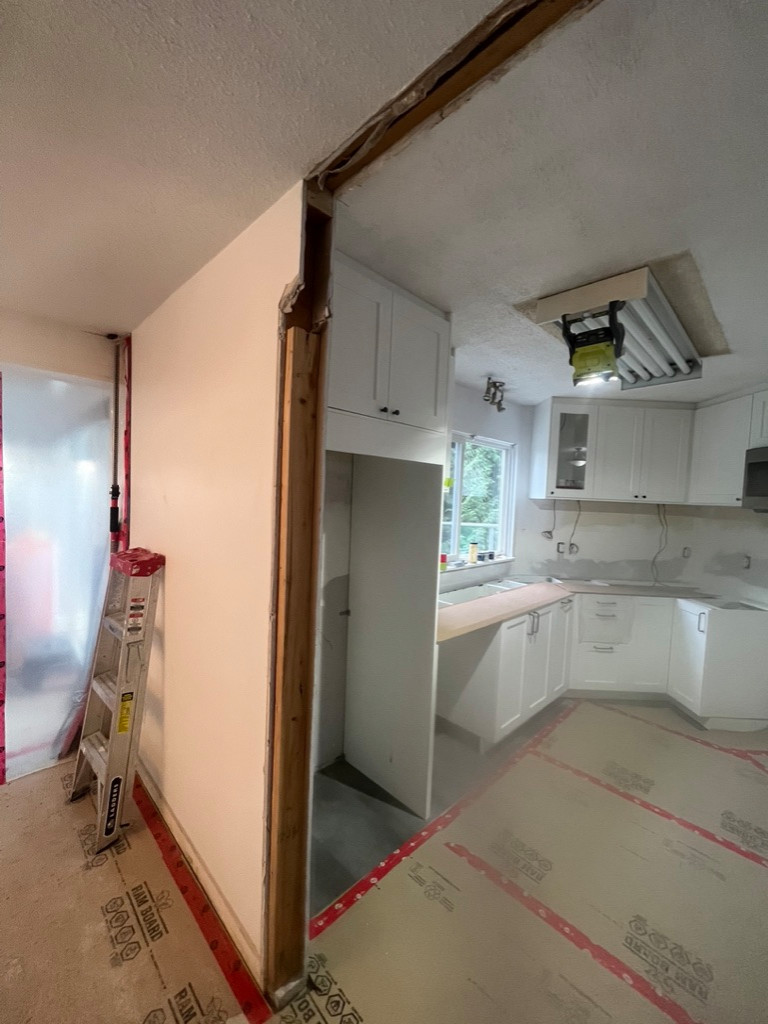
x=110, y=737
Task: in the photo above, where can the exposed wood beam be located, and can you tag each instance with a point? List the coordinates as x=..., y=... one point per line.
x=483, y=53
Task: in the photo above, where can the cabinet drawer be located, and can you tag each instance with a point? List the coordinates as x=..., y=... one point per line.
x=605, y=619
x=599, y=666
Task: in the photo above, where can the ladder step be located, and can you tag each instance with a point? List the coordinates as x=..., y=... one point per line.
x=105, y=688
x=94, y=748
x=114, y=624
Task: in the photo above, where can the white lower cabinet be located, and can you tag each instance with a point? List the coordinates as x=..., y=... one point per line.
x=712, y=660
x=718, y=666
x=623, y=644
x=492, y=680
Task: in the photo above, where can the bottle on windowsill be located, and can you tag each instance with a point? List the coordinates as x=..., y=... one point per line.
x=472, y=558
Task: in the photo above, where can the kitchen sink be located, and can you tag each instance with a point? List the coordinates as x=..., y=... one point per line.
x=470, y=594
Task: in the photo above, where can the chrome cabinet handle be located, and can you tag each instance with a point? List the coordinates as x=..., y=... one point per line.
x=605, y=615
x=602, y=650
x=598, y=601
x=698, y=622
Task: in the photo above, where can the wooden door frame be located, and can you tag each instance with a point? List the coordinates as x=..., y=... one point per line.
x=482, y=55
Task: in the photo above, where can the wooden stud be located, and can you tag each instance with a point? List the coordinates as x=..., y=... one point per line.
x=489, y=47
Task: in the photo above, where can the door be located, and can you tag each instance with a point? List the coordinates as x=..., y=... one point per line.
x=720, y=439
x=571, y=462
x=391, y=649
x=361, y=326
x=536, y=662
x=418, y=372
x=560, y=647
x=686, y=663
x=666, y=454
x=514, y=636
x=618, y=452
x=758, y=436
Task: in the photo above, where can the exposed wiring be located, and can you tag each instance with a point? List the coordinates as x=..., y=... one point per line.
x=573, y=549
x=661, y=511
x=550, y=533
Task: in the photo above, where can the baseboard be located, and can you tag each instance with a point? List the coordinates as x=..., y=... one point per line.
x=249, y=954
x=619, y=696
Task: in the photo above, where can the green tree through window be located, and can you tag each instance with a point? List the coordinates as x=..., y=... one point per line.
x=476, y=499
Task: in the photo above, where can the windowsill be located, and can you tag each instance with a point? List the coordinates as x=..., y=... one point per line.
x=500, y=560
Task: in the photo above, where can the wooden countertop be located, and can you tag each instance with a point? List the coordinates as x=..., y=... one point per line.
x=490, y=611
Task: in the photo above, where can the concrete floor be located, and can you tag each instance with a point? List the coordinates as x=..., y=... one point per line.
x=356, y=824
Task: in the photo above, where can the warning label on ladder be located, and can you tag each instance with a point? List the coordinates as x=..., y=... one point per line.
x=124, y=718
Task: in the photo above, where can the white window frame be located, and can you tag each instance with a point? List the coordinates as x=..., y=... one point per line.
x=507, y=498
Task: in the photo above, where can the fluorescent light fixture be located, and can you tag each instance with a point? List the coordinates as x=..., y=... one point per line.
x=657, y=349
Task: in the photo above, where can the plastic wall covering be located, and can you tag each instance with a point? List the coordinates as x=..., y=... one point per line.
x=56, y=475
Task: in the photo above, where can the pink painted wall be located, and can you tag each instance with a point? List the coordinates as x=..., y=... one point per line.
x=44, y=344
x=204, y=438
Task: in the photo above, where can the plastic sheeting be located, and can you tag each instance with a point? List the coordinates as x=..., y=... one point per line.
x=56, y=447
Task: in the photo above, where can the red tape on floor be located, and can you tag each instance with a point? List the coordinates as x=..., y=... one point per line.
x=599, y=954
x=744, y=755
x=321, y=921
x=660, y=811
x=244, y=988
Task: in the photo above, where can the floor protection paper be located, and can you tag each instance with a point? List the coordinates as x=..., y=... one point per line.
x=98, y=937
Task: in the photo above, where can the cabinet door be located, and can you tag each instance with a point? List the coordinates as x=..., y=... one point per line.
x=571, y=462
x=536, y=661
x=758, y=437
x=647, y=664
x=686, y=662
x=560, y=648
x=509, y=707
x=666, y=454
x=618, y=447
x=418, y=373
x=361, y=326
x=598, y=666
x=720, y=439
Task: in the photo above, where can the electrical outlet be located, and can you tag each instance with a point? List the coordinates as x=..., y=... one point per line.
x=686, y=552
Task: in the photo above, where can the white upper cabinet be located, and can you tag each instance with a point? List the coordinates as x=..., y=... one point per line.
x=666, y=454
x=611, y=451
x=418, y=369
x=618, y=452
x=389, y=352
x=758, y=436
x=361, y=328
x=562, y=459
x=721, y=436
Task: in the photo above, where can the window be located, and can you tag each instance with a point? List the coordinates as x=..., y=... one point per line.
x=478, y=497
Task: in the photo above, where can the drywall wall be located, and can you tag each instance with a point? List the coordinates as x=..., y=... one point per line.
x=331, y=650
x=204, y=449
x=44, y=344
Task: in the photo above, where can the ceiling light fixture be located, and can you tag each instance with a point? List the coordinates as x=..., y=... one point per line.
x=494, y=393
x=654, y=348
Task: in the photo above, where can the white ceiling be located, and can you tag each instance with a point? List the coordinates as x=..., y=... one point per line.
x=141, y=136
x=636, y=132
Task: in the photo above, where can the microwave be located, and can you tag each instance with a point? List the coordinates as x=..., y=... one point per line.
x=756, y=480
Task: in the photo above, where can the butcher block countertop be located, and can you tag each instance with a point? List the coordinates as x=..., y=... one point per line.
x=490, y=611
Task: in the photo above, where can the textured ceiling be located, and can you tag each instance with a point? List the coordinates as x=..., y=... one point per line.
x=636, y=132
x=140, y=136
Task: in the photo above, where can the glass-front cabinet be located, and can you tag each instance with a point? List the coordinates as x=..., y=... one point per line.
x=571, y=463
